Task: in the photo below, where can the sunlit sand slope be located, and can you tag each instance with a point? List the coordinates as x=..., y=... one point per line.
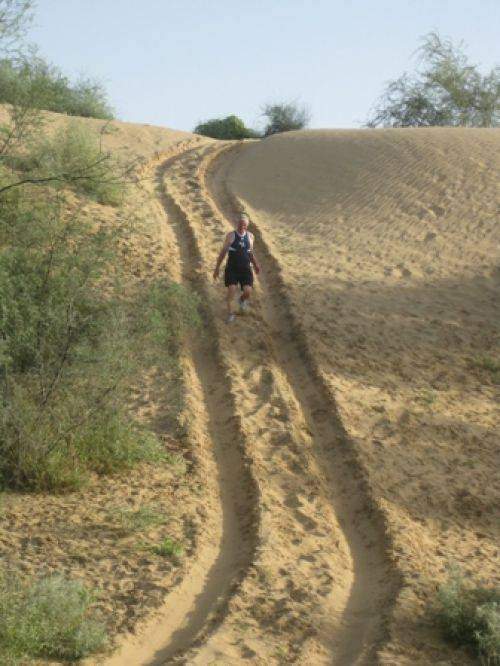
x=389, y=246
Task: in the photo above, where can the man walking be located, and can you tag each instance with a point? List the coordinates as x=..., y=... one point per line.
x=238, y=245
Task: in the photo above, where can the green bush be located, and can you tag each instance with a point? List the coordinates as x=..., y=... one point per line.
x=285, y=117
x=230, y=127
x=470, y=617
x=50, y=618
x=34, y=82
x=71, y=343
x=73, y=156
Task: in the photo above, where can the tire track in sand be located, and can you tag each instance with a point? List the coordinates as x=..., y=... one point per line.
x=239, y=497
x=374, y=582
x=197, y=605
x=315, y=586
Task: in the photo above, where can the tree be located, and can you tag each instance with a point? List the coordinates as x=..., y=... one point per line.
x=15, y=16
x=284, y=117
x=447, y=91
x=230, y=127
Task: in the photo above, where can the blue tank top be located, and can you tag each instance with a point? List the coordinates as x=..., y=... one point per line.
x=239, y=252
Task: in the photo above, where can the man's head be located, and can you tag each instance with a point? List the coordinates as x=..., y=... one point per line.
x=241, y=222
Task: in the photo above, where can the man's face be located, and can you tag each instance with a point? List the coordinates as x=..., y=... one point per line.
x=241, y=225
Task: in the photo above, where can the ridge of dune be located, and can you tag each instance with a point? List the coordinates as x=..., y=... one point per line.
x=388, y=243
x=140, y=141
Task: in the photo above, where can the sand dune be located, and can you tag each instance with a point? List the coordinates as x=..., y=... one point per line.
x=341, y=437
x=389, y=246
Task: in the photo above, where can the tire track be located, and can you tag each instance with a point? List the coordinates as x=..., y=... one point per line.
x=239, y=495
x=199, y=602
x=314, y=583
x=364, y=619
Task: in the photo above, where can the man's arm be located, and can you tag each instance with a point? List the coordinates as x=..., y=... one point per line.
x=225, y=247
x=253, y=259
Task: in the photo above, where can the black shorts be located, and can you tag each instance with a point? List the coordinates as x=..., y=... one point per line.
x=241, y=276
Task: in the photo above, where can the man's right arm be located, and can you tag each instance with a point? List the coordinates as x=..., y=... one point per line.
x=225, y=247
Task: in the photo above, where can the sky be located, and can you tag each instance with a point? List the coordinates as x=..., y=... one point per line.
x=178, y=62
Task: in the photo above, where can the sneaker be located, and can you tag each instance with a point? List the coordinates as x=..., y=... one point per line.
x=231, y=317
x=243, y=304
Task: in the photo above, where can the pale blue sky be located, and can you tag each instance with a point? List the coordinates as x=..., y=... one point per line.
x=176, y=62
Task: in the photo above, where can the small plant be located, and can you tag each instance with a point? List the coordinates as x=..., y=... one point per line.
x=427, y=397
x=488, y=364
x=470, y=617
x=50, y=618
x=137, y=520
x=168, y=548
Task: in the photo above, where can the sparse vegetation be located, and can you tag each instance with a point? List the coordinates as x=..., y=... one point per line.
x=470, y=616
x=45, y=87
x=137, y=520
x=448, y=90
x=489, y=365
x=427, y=397
x=230, y=127
x=486, y=363
x=74, y=157
x=284, y=117
x=50, y=618
x=30, y=82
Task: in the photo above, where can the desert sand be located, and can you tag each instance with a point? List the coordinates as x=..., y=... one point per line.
x=388, y=246
x=339, y=438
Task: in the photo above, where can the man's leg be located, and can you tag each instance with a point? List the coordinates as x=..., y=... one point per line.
x=231, y=291
x=247, y=292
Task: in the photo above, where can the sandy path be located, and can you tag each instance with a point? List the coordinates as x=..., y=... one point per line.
x=197, y=604
x=321, y=585
x=294, y=570
x=372, y=583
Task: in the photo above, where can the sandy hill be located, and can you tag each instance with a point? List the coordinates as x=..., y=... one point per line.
x=338, y=443
x=389, y=248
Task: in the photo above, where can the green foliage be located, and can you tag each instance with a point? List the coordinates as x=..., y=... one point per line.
x=73, y=156
x=231, y=127
x=168, y=548
x=284, y=117
x=70, y=342
x=31, y=81
x=471, y=617
x=447, y=91
x=50, y=618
